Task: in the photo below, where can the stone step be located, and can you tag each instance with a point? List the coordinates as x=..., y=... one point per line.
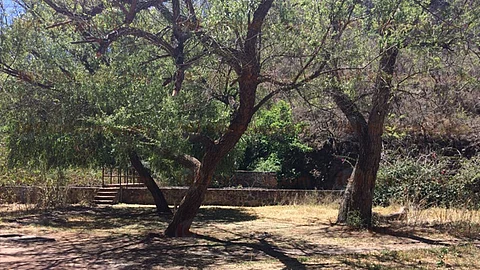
x=101, y=197
x=109, y=188
x=103, y=201
x=107, y=193
x=123, y=185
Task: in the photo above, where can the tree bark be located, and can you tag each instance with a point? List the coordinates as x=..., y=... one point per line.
x=147, y=179
x=190, y=204
x=188, y=208
x=358, y=196
x=247, y=67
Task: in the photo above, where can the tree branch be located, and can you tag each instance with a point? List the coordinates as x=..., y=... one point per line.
x=254, y=29
x=351, y=111
x=383, y=87
x=230, y=55
x=130, y=31
x=200, y=138
x=24, y=76
x=132, y=12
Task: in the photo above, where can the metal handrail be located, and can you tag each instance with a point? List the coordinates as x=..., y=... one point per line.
x=123, y=176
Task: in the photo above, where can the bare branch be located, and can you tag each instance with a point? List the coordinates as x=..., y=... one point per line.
x=191, y=10
x=27, y=77
x=284, y=87
x=130, y=31
x=230, y=55
x=59, y=24
x=312, y=58
x=254, y=29
x=350, y=109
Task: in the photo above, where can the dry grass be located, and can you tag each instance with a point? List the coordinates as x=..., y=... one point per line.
x=463, y=223
x=443, y=215
x=298, y=214
x=270, y=237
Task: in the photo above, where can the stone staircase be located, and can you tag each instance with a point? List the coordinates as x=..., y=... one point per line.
x=110, y=194
x=107, y=195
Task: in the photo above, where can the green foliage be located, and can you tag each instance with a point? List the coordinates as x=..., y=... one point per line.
x=99, y=108
x=429, y=181
x=271, y=138
x=269, y=164
x=102, y=106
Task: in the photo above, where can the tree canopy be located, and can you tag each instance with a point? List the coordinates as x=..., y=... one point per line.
x=177, y=83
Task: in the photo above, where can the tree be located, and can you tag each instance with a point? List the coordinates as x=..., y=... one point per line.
x=246, y=65
x=224, y=47
x=47, y=107
x=398, y=26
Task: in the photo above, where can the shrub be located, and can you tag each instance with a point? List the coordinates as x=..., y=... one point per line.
x=430, y=180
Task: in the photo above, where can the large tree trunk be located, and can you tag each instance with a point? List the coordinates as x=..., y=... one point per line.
x=246, y=64
x=147, y=179
x=358, y=197
x=188, y=209
x=189, y=206
x=356, y=206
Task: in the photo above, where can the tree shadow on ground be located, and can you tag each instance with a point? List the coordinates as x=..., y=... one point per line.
x=410, y=234
x=461, y=229
x=84, y=217
x=133, y=248
x=262, y=245
x=121, y=251
x=385, y=260
x=223, y=215
x=87, y=249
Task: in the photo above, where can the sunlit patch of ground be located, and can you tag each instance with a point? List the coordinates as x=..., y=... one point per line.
x=271, y=237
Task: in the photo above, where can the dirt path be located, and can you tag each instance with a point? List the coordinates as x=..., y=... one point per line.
x=241, y=238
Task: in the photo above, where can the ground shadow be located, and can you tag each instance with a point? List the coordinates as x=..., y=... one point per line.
x=462, y=229
x=382, y=261
x=408, y=235
x=263, y=245
x=224, y=215
x=122, y=251
x=84, y=217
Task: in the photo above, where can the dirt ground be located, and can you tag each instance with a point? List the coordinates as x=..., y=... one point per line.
x=276, y=237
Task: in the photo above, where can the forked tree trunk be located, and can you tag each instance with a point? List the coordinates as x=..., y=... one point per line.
x=191, y=202
x=147, y=179
x=188, y=208
x=246, y=64
x=358, y=197
x=183, y=218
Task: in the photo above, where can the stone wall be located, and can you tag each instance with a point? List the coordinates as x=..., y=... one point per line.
x=255, y=179
x=214, y=196
x=34, y=194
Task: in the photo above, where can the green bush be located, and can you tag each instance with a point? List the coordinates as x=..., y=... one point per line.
x=429, y=181
x=272, y=138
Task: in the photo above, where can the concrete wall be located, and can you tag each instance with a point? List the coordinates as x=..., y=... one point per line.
x=136, y=195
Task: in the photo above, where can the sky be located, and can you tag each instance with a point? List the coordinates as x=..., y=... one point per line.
x=11, y=8
x=7, y=4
